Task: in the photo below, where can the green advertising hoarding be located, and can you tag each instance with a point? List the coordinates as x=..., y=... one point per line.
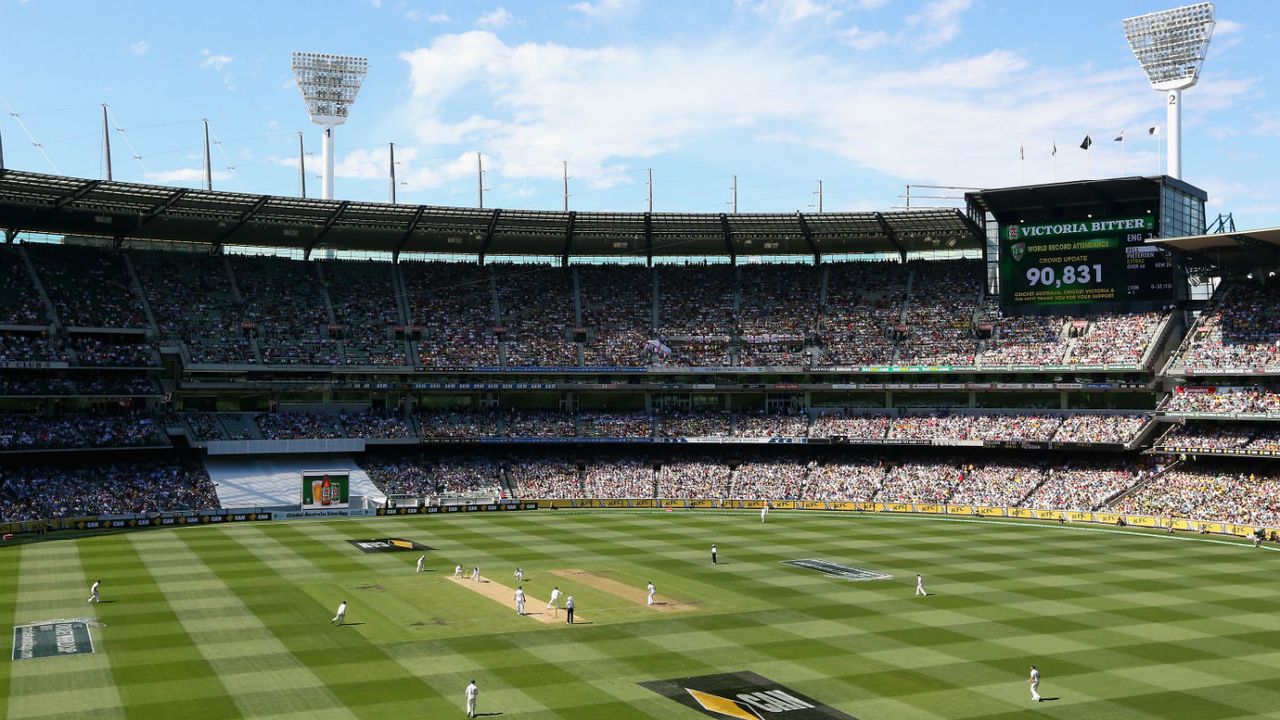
x=325, y=489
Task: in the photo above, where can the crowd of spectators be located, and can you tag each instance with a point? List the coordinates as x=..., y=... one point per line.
x=703, y=478
x=1239, y=332
x=863, y=308
x=27, y=347
x=697, y=423
x=366, y=311
x=31, y=492
x=193, y=301
x=918, y=482
x=617, y=312
x=869, y=426
x=940, y=312
x=212, y=426
x=778, y=312
x=555, y=477
x=285, y=302
x=853, y=480
x=1245, y=400
x=1115, y=339
x=538, y=424
x=779, y=479
x=77, y=385
x=100, y=430
x=1021, y=339
x=452, y=304
x=299, y=426
x=113, y=352
x=1208, y=437
x=458, y=423
x=999, y=484
x=421, y=476
x=1085, y=486
x=89, y=287
x=615, y=425
x=696, y=313
x=1110, y=428
x=620, y=478
x=537, y=311
x=770, y=425
x=374, y=425
x=20, y=303
x=1210, y=491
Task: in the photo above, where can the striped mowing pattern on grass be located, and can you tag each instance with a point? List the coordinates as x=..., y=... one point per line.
x=232, y=621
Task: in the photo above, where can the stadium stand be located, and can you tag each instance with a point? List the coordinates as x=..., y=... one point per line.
x=46, y=491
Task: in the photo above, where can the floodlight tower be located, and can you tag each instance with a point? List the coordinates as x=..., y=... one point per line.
x=329, y=84
x=1170, y=45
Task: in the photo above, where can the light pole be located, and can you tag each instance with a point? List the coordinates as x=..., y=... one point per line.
x=329, y=84
x=1170, y=45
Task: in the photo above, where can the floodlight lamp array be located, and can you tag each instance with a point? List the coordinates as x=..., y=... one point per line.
x=1171, y=44
x=329, y=84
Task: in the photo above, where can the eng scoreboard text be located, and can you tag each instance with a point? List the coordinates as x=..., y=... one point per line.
x=1083, y=262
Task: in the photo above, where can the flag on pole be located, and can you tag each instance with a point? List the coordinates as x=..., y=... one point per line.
x=1120, y=137
x=1055, y=148
x=1084, y=144
x=1153, y=130
x=1022, y=152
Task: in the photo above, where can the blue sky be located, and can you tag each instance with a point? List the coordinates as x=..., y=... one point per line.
x=866, y=95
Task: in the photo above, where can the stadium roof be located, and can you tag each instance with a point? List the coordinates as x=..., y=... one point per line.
x=1233, y=251
x=1113, y=196
x=74, y=206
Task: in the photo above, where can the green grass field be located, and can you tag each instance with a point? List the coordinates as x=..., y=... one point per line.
x=232, y=621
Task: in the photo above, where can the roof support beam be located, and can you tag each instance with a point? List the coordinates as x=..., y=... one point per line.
x=728, y=239
x=648, y=237
x=568, y=238
x=9, y=235
x=891, y=235
x=161, y=208
x=324, y=230
x=807, y=232
x=235, y=227
x=66, y=200
x=488, y=234
x=408, y=233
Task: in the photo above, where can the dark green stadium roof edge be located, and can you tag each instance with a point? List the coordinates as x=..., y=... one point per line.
x=35, y=202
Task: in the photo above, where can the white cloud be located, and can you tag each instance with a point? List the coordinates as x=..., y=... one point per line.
x=860, y=39
x=497, y=18
x=602, y=8
x=181, y=175
x=1226, y=35
x=214, y=61
x=426, y=16
x=790, y=11
x=142, y=47
x=936, y=24
x=604, y=108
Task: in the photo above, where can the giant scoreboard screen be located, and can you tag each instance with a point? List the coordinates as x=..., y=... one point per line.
x=1083, y=262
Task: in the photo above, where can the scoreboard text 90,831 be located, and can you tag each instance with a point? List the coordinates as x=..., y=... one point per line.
x=1083, y=262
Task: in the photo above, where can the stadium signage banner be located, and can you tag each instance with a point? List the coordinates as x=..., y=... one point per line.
x=1082, y=262
x=53, y=638
x=325, y=489
x=743, y=695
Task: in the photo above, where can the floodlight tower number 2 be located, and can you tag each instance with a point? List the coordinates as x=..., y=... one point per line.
x=329, y=85
x=1171, y=45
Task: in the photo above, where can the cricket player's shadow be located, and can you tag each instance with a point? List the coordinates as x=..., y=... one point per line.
x=347, y=624
x=487, y=714
x=1049, y=699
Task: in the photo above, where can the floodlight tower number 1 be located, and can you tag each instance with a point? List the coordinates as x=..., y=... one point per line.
x=329, y=85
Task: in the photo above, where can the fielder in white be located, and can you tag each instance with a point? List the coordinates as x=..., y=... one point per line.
x=920, y=585
x=422, y=563
x=519, y=601
x=475, y=574
x=341, y=617
x=519, y=575
x=554, y=602
x=764, y=512
x=472, y=692
x=1034, y=681
x=457, y=571
x=652, y=590
x=93, y=592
